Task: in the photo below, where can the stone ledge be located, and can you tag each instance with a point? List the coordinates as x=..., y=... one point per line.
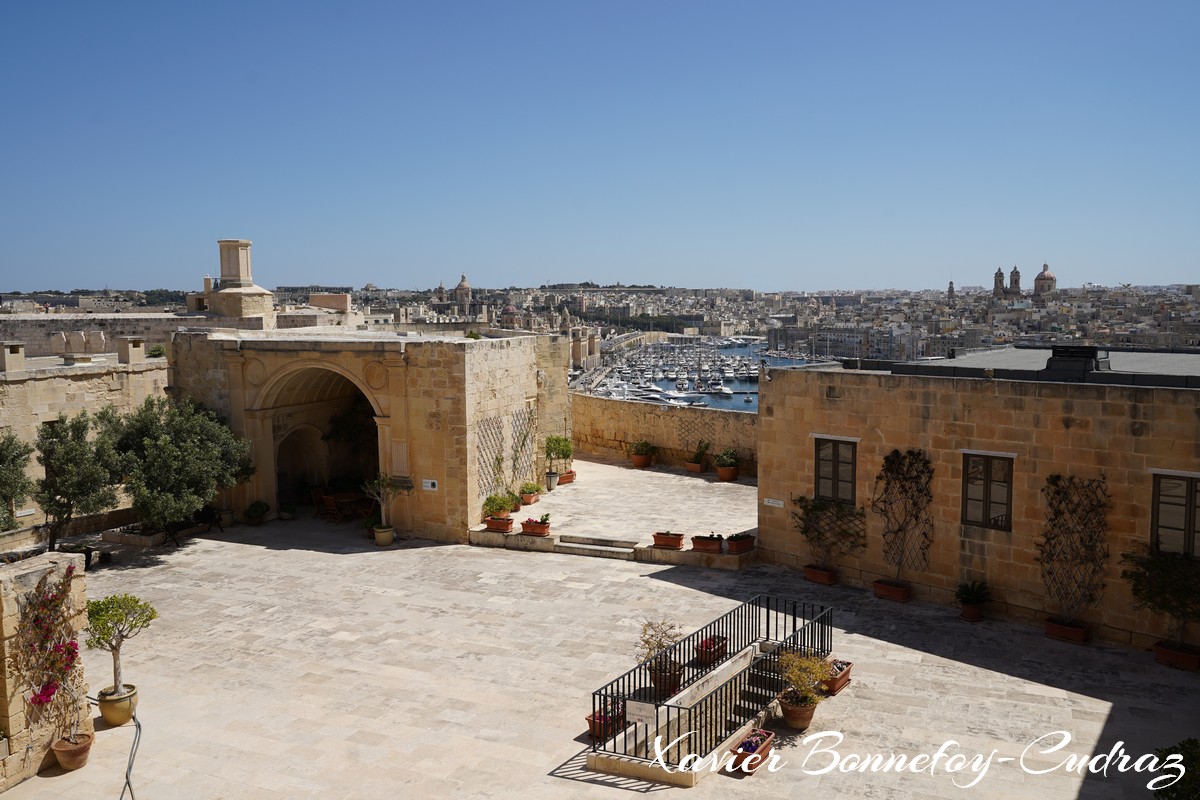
x=136, y=539
x=481, y=537
x=692, y=558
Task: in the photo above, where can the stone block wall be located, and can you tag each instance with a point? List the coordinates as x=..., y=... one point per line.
x=29, y=739
x=1076, y=429
x=607, y=427
x=37, y=330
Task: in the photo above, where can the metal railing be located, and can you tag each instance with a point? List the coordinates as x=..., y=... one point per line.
x=773, y=625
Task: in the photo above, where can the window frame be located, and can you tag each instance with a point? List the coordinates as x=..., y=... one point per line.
x=1191, y=514
x=986, y=500
x=836, y=462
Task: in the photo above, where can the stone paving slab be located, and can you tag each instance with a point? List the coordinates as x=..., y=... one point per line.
x=297, y=660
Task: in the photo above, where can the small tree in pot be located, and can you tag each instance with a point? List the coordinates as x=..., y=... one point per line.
x=802, y=675
x=558, y=448
x=112, y=621
x=384, y=489
x=656, y=638
x=1167, y=583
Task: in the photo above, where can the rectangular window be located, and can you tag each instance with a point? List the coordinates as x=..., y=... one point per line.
x=835, y=470
x=1176, y=512
x=987, y=491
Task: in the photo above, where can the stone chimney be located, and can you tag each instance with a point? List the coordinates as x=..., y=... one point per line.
x=12, y=357
x=235, y=263
x=131, y=350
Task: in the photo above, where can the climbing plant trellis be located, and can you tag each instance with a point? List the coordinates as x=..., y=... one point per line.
x=902, y=497
x=1074, y=551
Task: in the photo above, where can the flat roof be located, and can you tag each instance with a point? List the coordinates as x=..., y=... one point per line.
x=1144, y=362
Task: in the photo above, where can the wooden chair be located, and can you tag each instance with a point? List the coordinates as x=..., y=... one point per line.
x=330, y=511
x=318, y=499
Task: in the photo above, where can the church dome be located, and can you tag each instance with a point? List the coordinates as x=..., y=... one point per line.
x=509, y=309
x=1046, y=273
x=462, y=284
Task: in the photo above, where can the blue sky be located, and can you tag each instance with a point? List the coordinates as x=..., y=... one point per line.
x=773, y=145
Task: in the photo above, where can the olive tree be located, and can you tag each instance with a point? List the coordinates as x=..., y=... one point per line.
x=15, y=484
x=77, y=479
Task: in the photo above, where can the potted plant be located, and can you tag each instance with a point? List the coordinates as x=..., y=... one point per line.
x=607, y=720
x=839, y=676
x=753, y=751
x=832, y=530
x=112, y=621
x=668, y=540
x=1187, y=786
x=496, y=510
x=1073, y=553
x=696, y=462
x=802, y=676
x=536, y=527
x=1167, y=583
x=740, y=543
x=558, y=453
x=530, y=492
x=43, y=656
x=726, y=463
x=712, y=649
x=256, y=511
x=287, y=510
x=972, y=596
x=514, y=501
x=643, y=452
x=708, y=544
x=384, y=489
x=657, y=638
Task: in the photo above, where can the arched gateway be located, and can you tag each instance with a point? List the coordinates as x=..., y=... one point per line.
x=330, y=407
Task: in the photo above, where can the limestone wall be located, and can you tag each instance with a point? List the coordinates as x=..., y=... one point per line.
x=607, y=427
x=1070, y=429
x=46, y=388
x=37, y=330
x=28, y=738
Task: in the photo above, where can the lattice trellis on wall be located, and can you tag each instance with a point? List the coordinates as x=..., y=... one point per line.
x=694, y=428
x=902, y=497
x=489, y=454
x=523, y=425
x=1074, y=549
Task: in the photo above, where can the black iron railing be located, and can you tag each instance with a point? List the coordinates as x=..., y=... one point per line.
x=771, y=624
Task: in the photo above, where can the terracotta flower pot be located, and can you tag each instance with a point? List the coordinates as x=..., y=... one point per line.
x=712, y=650
x=825, y=577
x=797, y=717
x=706, y=544
x=972, y=612
x=566, y=477
x=73, y=756
x=892, y=590
x=1073, y=632
x=605, y=728
x=693, y=466
x=727, y=473
x=666, y=679
x=118, y=709
x=504, y=525
x=839, y=681
x=670, y=541
x=739, y=546
x=535, y=528
x=749, y=761
x=1174, y=654
x=529, y=499
x=641, y=462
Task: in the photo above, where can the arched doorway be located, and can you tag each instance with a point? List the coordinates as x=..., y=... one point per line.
x=324, y=433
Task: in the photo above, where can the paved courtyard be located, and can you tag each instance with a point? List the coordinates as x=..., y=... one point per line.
x=297, y=660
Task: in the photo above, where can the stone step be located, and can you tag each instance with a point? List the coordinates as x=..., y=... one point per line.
x=600, y=541
x=599, y=551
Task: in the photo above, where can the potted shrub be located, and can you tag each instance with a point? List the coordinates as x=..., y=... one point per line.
x=696, y=462
x=256, y=511
x=740, y=543
x=43, y=656
x=1167, y=583
x=753, y=751
x=707, y=544
x=536, y=527
x=711, y=650
x=1187, y=786
x=972, y=596
x=384, y=489
x=802, y=677
x=657, y=637
x=287, y=510
x=558, y=454
x=726, y=463
x=514, y=501
x=643, y=452
x=1073, y=552
x=496, y=510
x=607, y=720
x=668, y=540
x=833, y=530
x=112, y=621
x=530, y=492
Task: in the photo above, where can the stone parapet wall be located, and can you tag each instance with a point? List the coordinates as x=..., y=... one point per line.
x=37, y=330
x=29, y=739
x=1070, y=429
x=608, y=427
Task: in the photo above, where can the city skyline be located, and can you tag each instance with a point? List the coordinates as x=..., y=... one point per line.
x=777, y=148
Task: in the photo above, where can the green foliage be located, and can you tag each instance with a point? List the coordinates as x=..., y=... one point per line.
x=1165, y=583
x=383, y=489
x=832, y=529
x=157, y=351
x=642, y=448
x=174, y=455
x=727, y=458
x=558, y=449
x=474, y=335
x=529, y=487
x=77, y=481
x=111, y=621
x=701, y=451
x=974, y=593
x=1187, y=787
x=496, y=504
x=902, y=497
x=803, y=675
x=1073, y=552
x=15, y=485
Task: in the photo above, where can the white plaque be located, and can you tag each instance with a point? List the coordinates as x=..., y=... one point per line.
x=642, y=713
x=767, y=501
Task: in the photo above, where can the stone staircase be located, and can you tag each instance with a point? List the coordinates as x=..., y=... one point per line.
x=596, y=546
